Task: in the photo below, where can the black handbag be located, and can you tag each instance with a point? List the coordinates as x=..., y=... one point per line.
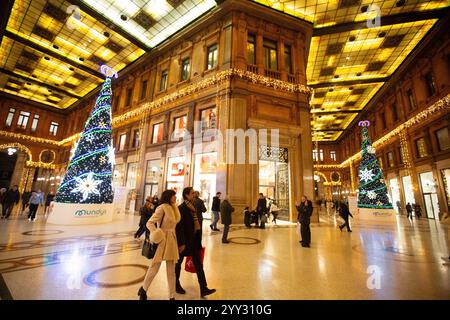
x=148, y=248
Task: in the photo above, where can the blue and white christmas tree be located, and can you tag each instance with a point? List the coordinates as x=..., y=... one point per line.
x=373, y=193
x=88, y=177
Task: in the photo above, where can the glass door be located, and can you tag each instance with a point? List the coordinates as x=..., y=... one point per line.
x=429, y=194
x=274, y=177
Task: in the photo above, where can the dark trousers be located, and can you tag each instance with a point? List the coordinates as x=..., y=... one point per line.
x=409, y=214
x=226, y=228
x=33, y=210
x=140, y=231
x=7, y=208
x=345, y=224
x=198, y=267
x=274, y=219
x=306, y=233
x=24, y=206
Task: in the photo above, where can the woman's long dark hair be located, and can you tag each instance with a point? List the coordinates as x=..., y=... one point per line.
x=166, y=196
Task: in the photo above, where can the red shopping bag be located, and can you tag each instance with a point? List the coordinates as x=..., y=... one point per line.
x=189, y=265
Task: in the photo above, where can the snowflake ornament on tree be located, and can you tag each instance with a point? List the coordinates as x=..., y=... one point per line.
x=366, y=175
x=87, y=186
x=371, y=194
x=371, y=150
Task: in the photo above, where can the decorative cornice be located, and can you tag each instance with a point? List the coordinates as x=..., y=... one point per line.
x=40, y=164
x=216, y=79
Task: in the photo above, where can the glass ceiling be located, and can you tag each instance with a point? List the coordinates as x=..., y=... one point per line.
x=79, y=43
x=366, y=54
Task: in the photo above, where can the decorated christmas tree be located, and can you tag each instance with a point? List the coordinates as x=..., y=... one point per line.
x=89, y=175
x=373, y=192
x=86, y=190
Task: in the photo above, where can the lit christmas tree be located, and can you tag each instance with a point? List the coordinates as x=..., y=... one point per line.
x=85, y=195
x=373, y=192
x=89, y=175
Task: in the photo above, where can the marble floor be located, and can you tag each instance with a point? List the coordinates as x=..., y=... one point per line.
x=402, y=260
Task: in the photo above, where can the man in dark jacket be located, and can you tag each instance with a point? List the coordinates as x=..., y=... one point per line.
x=146, y=213
x=215, y=209
x=261, y=208
x=225, y=213
x=12, y=197
x=189, y=242
x=200, y=208
x=305, y=210
x=25, y=199
x=344, y=212
x=409, y=210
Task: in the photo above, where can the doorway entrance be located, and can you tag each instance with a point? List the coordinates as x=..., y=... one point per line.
x=429, y=194
x=274, y=177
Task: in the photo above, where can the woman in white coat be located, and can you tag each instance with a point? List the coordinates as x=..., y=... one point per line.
x=165, y=237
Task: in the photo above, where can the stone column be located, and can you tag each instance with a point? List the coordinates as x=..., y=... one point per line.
x=19, y=168
x=259, y=52
x=140, y=175
x=306, y=160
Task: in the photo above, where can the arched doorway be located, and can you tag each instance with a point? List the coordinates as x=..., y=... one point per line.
x=13, y=160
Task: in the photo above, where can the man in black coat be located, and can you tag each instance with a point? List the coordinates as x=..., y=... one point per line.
x=305, y=210
x=189, y=242
x=409, y=210
x=344, y=212
x=12, y=197
x=146, y=213
x=225, y=212
x=215, y=209
x=200, y=208
x=261, y=208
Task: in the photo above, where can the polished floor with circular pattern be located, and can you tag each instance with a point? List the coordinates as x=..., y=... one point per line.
x=402, y=260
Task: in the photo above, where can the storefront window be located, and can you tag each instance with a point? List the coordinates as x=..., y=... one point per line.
x=395, y=194
x=152, y=175
x=429, y=194
x=274, y=177
x=205, y=177
x=391, y=159
x=408, y=189
x=118, y=175
x=131, y=175
x=421, y=148
x=176, y=169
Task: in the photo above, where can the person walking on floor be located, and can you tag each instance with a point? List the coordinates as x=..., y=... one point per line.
x=25, y=200
x=48, y=200
x=200, y=208
x=34, y=202
x=305, y=210
x=215, y=209
x=189, y=242
x=12, y=197
x=167, y=216
x=344, y=212
x=409, y=210
x=146, y=213
x=2, y=198
x=274, y=210
x=417, y=211
x=225, y=214
x=261, y=209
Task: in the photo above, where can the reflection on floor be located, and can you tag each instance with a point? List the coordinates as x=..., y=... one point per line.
x=403, y=260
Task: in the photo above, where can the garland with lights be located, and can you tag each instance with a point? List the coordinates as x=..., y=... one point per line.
x=88, y=178
x=372, y=188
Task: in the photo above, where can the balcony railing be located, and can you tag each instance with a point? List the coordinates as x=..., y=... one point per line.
x=272, y=74
x=252, y=68
x=291, y=78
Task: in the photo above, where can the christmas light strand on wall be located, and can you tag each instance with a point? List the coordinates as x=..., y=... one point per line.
x=89, y=176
